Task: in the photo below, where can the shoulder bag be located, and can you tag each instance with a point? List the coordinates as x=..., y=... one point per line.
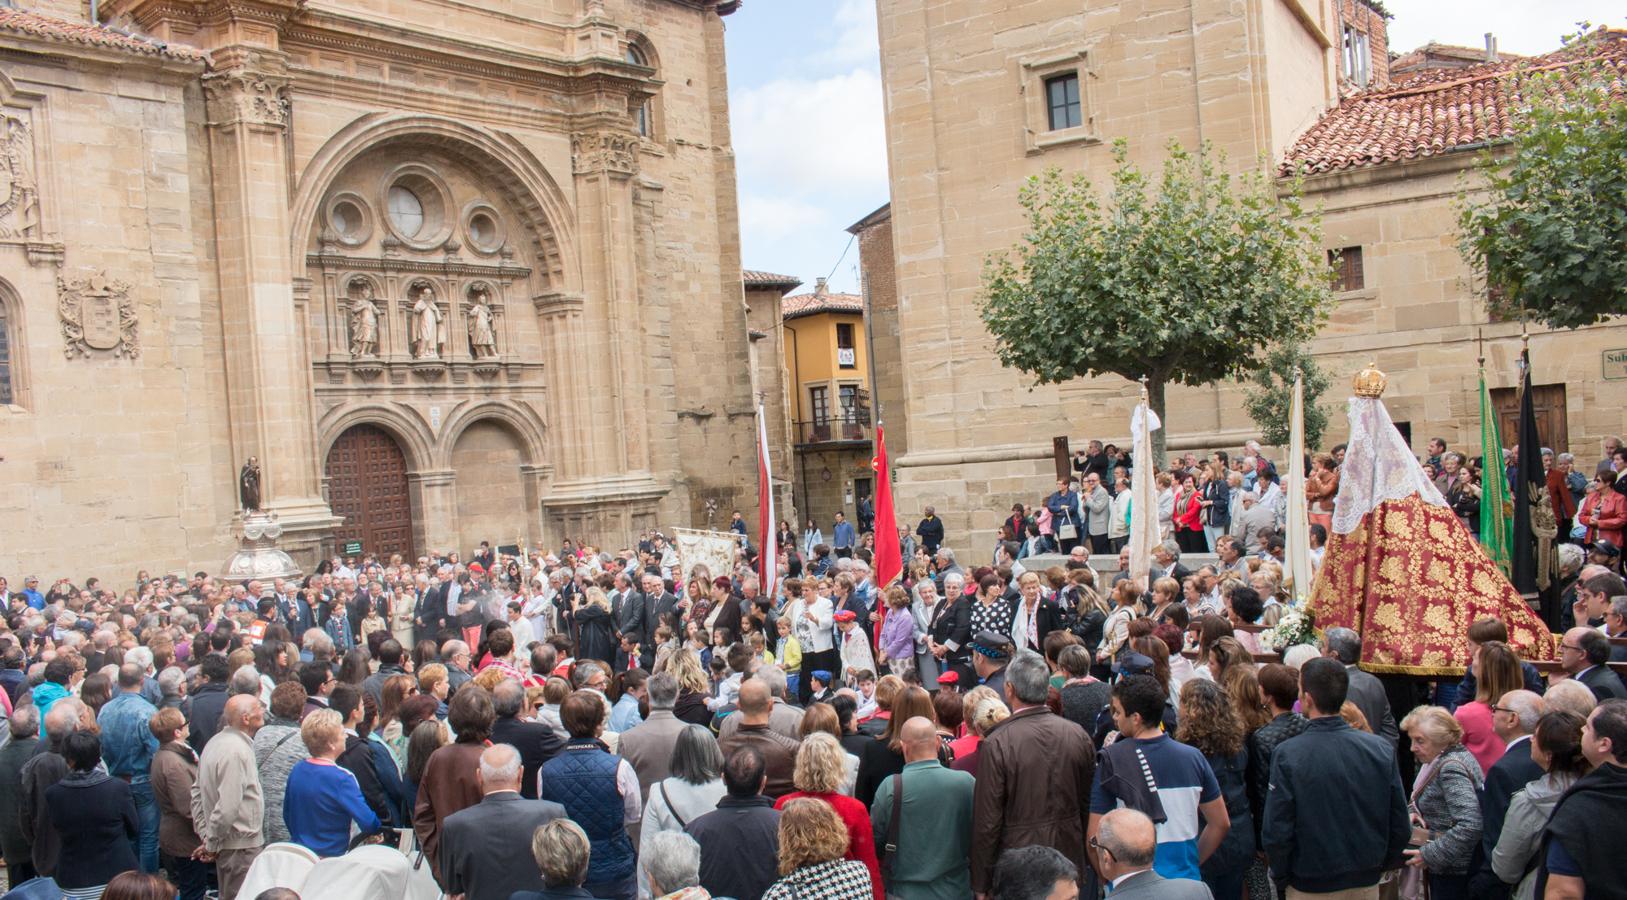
x=889, y=850
x=670, y=808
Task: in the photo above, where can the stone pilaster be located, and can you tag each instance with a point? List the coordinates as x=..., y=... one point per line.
x=604, y=163
x=267, y=370
x=435, y=503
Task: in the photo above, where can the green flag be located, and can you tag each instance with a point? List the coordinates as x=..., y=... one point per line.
x=1496, y=509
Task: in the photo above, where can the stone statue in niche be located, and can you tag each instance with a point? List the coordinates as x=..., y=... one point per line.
x=426, y=323
x=364, y=320
x=482, y=336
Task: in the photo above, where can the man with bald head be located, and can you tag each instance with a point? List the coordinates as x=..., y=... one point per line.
x=227, y=807
x=1124, y=847
x=486, y=848
x=779, y=752
x=922, y=821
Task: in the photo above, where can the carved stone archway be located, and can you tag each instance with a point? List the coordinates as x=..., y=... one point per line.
x=498, y=157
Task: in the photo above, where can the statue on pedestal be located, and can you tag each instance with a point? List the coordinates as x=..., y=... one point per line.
x=426, y=324
x=364, y=323
x=482, y=336
x=248, y=486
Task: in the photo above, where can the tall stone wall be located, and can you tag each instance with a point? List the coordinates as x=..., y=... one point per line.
x=876, y=261
x=109, y=461
x=622, y=374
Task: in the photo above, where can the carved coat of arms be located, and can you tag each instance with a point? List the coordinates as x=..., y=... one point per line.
x=97, y=314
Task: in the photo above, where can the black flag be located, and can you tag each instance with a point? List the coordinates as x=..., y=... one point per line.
x=1530, y=487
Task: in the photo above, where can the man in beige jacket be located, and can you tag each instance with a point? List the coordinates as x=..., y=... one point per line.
x=227, y=807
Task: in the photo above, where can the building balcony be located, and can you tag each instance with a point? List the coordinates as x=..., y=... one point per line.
x=837, y=431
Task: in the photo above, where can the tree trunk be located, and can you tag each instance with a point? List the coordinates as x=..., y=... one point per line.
x=1155, y=399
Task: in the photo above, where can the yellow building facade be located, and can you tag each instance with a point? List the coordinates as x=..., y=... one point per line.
x=827, y=383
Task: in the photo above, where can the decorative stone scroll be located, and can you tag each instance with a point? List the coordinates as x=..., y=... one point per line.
x=604, y=151
x=98, y=316
x=243, y=96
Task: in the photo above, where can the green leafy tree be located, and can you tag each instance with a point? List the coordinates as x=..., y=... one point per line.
x=1271, y=401
x=1549, y=238
x=1186, y=278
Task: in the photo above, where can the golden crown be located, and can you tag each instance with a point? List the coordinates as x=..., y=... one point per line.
x=1370, y=382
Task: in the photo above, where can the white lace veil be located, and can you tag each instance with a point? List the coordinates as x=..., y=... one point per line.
x=1378, y=466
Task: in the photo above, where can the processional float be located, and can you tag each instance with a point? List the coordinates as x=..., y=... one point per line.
x=1399, y=567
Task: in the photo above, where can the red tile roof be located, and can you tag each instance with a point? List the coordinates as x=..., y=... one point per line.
x=1434, y=111
x=756, y=278
x=812, y=304
x=50, y=28
x=1434, y=55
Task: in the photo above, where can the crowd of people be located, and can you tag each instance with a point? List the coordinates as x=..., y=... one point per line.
x=618, y=725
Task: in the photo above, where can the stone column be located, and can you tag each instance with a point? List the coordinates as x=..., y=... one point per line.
x=268, y=388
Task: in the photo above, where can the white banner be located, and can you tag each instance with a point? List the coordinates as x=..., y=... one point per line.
x=1144, y=533
x=1298, y=574
x=713, y=549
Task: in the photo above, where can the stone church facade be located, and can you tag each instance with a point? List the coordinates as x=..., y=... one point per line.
x=982, y=96
x=451, y=272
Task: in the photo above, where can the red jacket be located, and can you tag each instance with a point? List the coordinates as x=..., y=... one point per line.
x=1560, y=493
x=1604, y=512
x=1187, y=511
x=861, y=841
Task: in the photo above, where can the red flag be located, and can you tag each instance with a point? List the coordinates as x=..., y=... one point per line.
x=889, y=560
x=768, y=558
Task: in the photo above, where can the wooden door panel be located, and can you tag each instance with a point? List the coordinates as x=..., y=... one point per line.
x=1547, y=403
x=367, y=485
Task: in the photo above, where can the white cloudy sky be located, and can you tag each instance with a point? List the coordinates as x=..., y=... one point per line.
x=806, y=104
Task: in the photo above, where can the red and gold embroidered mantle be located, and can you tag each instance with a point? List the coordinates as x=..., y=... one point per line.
x=1410, y=580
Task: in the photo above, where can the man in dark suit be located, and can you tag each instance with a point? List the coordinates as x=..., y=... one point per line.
x=1514, y=717
x=535, y=742
x=296, y=613
x=1168, y=557
x=1583, y=652
x=627, y=612
x=430, y=616
x=1124, y=846
x=485, y=851
x=660, y=605
x=1366, y=691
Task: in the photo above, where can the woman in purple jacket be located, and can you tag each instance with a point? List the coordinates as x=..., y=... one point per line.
x=896, y=640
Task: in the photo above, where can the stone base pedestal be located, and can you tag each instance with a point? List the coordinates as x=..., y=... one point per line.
x=257, y=555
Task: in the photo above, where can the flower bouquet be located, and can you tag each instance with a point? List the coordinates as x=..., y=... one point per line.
x=1297, y=626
